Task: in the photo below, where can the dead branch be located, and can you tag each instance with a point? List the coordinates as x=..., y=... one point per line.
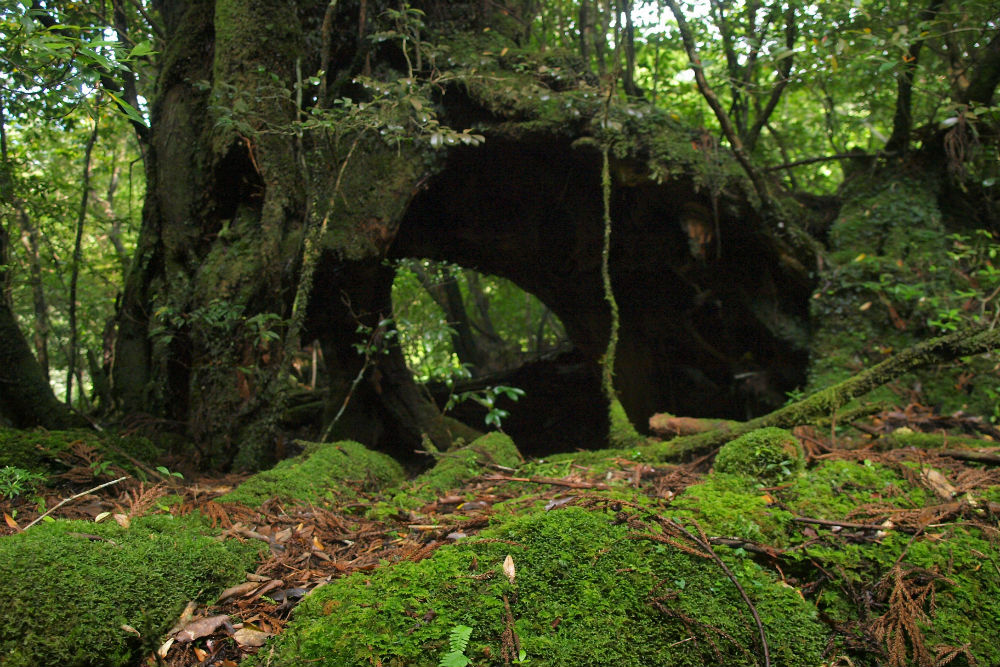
x=66, y=500
x=547, y=480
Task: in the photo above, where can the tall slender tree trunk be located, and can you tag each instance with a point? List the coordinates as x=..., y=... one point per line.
x=74, y=342
x=41, y=328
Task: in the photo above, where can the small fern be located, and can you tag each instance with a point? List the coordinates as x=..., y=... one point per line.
x=458, y=640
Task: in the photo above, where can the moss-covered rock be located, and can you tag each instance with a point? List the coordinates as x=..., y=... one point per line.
x=583, y=594
x=769, y=455
x=852, y=570
x=69, y=587
x=732, y=505
x=324, y=471
x=965, y=605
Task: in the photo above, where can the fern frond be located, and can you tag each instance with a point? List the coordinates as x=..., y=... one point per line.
x=458, y=640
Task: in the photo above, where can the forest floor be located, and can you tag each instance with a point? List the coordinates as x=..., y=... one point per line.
x=306, y=546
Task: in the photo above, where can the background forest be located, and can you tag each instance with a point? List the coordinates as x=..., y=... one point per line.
x=803, y=91
x=591, y=332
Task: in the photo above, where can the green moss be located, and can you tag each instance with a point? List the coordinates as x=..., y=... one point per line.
x=621, y=432
x=69, y=586
x=454, y=469
x=888, y=286
x=730, y=505
x=458, y=466
x=582, y=596
x=376, y=186
x=900, y=438
x=323, y=471
x=47, y=452
x=770, y=455
x=967, y=598
x=835, y=488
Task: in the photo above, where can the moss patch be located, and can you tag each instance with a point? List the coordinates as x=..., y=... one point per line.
x=958, y=559
x=69, y=586
x=769, y=455
x=888, y=286
x=582, y=596
x=324, y=471
x=47, y=452
x=457, y=467
x=730, y=505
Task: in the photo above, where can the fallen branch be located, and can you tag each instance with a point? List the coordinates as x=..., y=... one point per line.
x=838, y=524
x=66, y=500
x=548, y=480
x=976, y=457
x=826, y=402
x=753, y=547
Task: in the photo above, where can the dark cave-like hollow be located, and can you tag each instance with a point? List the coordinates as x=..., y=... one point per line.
x=708, y=327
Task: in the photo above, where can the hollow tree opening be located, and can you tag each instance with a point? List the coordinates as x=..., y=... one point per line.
x=491, y=354
x=710, y=324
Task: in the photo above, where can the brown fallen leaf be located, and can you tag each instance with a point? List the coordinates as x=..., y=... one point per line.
x=249, y=637
x=165, y=648
x=10, y=521
x=202, y=627
x=938, y=483
x=268, y=587
x=239, y=590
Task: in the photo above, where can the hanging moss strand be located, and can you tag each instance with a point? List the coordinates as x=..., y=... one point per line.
x=608, y=363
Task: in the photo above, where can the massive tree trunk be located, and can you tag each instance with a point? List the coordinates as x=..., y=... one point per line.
x=895, y=276
x=249, y=164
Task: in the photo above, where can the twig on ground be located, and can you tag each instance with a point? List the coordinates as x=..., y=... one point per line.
x=705, y=544
x=548, y=480
x=66, y=500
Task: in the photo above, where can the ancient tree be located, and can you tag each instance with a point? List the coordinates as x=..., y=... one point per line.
x=296, y=147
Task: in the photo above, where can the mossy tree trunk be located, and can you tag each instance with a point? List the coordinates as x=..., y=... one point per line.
x=26, y=399
x=892, y=279
x=254, y=174
x=232, y=189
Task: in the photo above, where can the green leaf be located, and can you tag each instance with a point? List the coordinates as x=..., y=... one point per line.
x=127, y=108
x=144, y=48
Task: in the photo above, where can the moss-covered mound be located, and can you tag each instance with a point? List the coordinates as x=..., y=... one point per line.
x=324, y=471
x=457, y=467
x=768, y=454
x=70, y=587
x=51, y=452
x=946, y=568
x=924, y=589
x=584, y=593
